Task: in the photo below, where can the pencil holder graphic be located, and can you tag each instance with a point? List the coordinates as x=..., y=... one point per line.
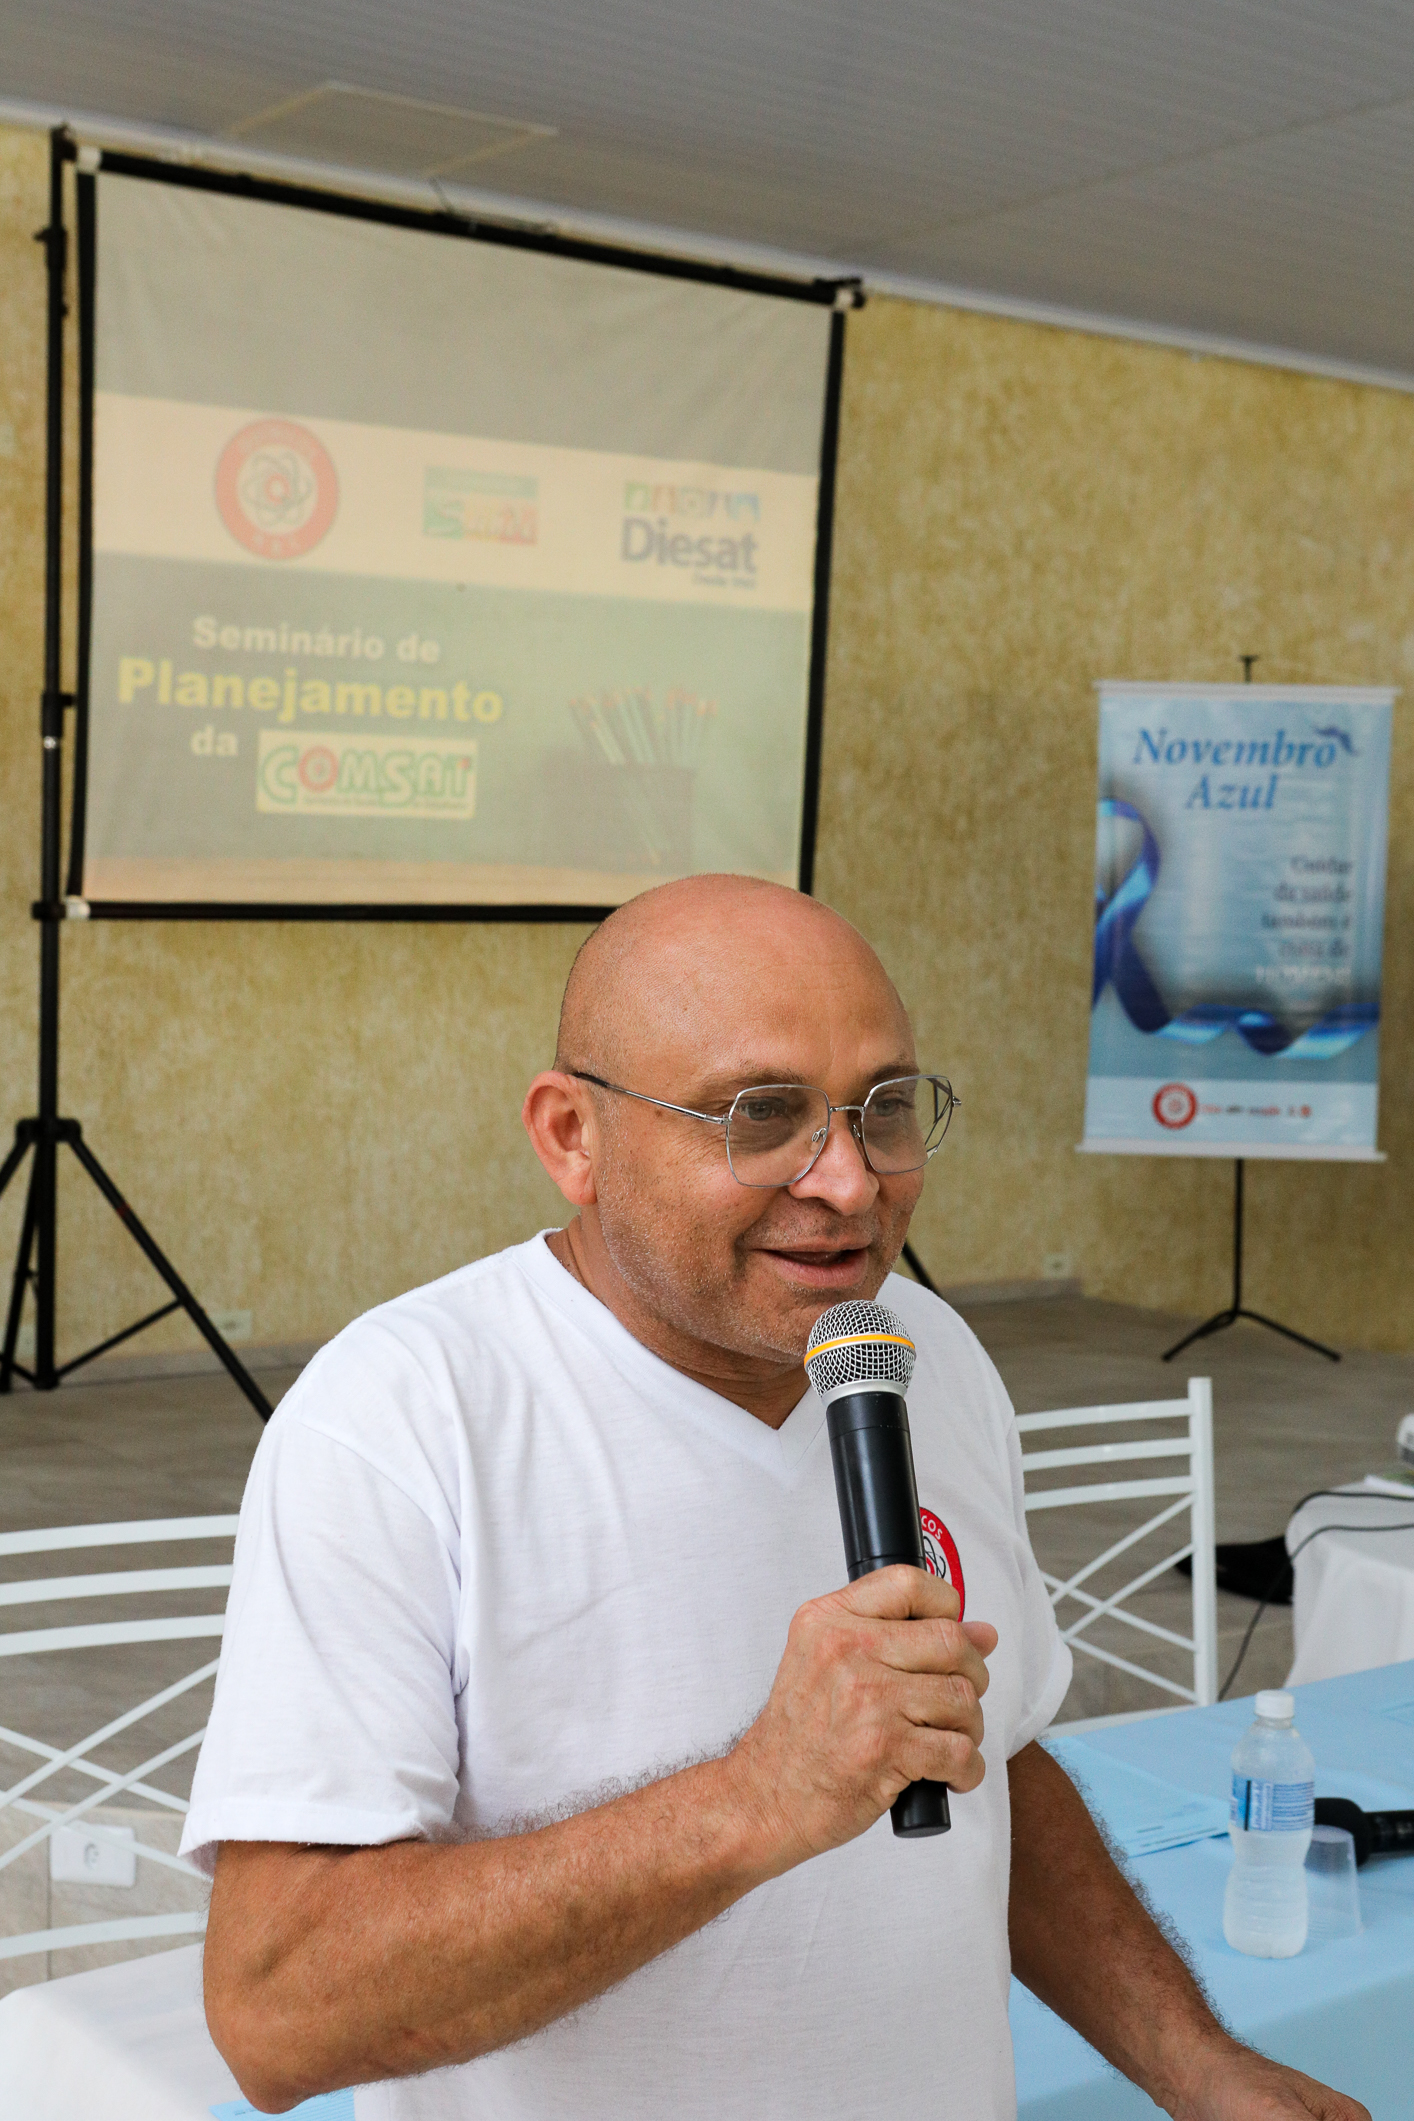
x=642, y=767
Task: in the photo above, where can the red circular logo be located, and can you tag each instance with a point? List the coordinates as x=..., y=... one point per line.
x=1174, y=1105
x=940, y=1556
x=276, y=488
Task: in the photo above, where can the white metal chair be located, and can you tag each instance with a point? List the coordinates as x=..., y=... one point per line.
x=54, y=1760
x=1192, y=1493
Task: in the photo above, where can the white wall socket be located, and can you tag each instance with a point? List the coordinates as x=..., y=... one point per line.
x=233, y=1325
x=79, y=1857
x=24, y=1344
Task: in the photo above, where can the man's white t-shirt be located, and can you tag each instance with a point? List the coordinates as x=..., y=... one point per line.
x=498, y=1563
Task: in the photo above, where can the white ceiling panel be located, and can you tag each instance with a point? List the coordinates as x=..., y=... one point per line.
x=1240, y=167
x=1295, y=239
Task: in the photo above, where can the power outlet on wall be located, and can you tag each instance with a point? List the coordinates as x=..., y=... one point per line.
x=1058, y=1266
x=24, y=1344
x=79, y=1857
x=232, y=1325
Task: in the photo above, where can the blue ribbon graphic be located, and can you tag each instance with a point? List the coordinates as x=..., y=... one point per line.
x=1118, y=964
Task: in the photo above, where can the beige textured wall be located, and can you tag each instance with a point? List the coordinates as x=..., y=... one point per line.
x=311, y=1117
x=1022, y=511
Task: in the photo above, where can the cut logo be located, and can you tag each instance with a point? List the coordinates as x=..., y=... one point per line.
x=276, y=489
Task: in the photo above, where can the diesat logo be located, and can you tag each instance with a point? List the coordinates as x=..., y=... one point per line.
x=667, y=526
x=276, y=489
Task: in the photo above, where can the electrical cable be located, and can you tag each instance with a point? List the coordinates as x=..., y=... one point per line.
x=1344, y=1495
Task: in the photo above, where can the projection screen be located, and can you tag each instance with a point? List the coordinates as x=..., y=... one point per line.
x=438, y=573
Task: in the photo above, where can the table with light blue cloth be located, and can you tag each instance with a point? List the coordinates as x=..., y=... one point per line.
x=1344, y=2011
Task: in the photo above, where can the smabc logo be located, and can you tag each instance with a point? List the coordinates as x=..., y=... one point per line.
x=501, y=506
x=276, y=489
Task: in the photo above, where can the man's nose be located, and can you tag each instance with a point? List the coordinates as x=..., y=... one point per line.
x=840, y=1174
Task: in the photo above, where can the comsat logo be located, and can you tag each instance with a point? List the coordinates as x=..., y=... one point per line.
x=718, y=558
x=365, y=776
x=276, y=489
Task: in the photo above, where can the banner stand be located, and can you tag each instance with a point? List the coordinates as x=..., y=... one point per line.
x=1239, y=905
x=47, y=1131
x=1220, y=1320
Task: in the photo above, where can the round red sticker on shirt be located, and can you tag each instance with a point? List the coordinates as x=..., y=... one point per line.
x=940, y=1556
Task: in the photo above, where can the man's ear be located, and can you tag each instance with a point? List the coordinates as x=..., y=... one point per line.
x=560, y=1119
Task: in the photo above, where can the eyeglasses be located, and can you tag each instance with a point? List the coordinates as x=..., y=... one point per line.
x=776, y=1132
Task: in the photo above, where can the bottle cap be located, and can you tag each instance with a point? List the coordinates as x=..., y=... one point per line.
x=1274, y=1707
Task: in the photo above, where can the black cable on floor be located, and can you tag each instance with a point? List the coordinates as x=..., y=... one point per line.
x=1344, y=1493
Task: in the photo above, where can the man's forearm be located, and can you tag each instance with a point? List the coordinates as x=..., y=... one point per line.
x=328, y=1967
x=1084, y=1943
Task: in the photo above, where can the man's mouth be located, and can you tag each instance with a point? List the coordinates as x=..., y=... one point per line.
x=818, y=1266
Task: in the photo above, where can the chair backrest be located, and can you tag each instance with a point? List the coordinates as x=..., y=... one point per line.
x=107, y=1634
x=1190, y=1492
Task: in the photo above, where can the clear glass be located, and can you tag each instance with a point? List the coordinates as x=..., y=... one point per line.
x=776, y=1131
x=1332, y=1888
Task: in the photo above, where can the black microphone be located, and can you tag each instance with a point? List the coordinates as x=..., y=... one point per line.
x=859, y=1359
x=1374, y=1833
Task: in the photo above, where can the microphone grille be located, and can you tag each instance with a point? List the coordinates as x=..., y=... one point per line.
x=858, y=1344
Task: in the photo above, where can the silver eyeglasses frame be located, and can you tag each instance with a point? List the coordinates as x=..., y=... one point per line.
x=855, y=1113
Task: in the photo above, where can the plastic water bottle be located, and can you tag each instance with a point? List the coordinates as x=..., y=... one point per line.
x=1270, y=1819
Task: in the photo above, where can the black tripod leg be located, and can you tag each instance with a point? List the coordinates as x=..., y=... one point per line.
x=1317, y=1347
x=21, y=1276
x=1218, y=1323
x=15, y=1158
x=158, y=1259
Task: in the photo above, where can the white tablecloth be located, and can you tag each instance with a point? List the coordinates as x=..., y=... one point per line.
x=124, y=2043
x=1354, y=1592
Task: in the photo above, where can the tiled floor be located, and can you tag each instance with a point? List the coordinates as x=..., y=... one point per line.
x=1286, y=1421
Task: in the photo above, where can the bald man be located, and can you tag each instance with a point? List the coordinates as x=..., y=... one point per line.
x=549, y=1762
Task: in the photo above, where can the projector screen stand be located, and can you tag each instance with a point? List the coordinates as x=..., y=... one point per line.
x=1220, y=1320
x=36, y=1260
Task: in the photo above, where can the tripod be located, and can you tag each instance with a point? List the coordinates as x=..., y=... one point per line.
x=1220, y=1320
x=44, y=1135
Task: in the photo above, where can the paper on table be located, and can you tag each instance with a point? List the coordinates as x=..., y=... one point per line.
x=1141, y=1812
x=325, y=2106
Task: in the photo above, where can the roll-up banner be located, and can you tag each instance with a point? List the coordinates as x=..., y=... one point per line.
x=1239, y=913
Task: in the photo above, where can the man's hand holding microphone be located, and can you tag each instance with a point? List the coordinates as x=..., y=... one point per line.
x=876, y=1705
x=880, y=1687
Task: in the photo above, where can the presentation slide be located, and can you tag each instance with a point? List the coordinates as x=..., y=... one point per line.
x=437, y=572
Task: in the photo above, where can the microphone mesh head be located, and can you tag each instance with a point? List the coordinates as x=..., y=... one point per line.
x=859, y=1344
